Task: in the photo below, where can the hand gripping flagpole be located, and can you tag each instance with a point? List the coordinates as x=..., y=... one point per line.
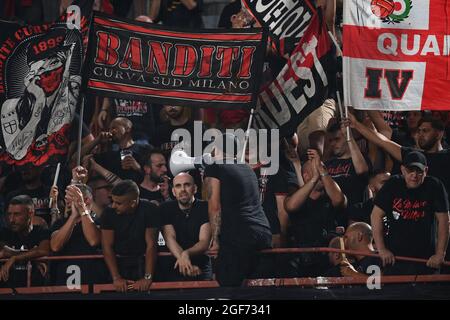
x=343, y=115
x=55, y=182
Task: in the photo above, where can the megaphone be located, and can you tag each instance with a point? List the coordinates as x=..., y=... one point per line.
x=181, y=162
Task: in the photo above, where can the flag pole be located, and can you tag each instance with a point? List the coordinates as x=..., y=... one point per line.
x=343, y=115
x=80, y=131
x=247, y=134
x=338, y=49
x=55, y=182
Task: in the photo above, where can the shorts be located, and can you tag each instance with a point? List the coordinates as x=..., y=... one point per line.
x=316, y=121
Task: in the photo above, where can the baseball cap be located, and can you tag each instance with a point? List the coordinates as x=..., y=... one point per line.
x=415, y=159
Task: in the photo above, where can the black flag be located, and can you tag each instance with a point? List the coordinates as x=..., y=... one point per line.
x=40, y=77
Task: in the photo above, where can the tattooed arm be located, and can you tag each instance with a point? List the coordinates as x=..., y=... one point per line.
x=212, y=187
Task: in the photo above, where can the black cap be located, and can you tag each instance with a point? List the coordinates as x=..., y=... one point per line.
x=415, y=159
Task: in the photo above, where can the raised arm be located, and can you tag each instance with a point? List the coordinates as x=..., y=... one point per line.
x=358, y=160
x=378, y=139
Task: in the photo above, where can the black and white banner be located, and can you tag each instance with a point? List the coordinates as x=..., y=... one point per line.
x=40, y=77
x=141, y=61
x=301, y=86
x=287, y=20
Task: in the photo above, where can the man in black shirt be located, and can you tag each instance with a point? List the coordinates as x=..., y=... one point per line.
x=140, y=113
x=411, y=203
x=238, y=222
x=126, y=163
x=22, y=242
x=347, y=166
x=358, y=237
x=187, y=232
x=314, y=207
x=76, y=235
x=155, y=169
x=177, y=119
x=314, y=210
x=129, y=229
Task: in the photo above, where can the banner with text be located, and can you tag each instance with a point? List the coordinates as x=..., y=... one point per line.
x=40, y=78
x=208, y=68
x=397, y=54
x=302, y=85
x=286, y=20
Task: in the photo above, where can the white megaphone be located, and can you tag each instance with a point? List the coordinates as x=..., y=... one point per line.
x=181, y=162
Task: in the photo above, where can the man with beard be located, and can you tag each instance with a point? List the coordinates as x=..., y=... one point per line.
x=430, y=133
x=187, y=232
x=47, y=104
x=22, y=242
x=314, y=210
x=125, y=163
x=178, y=119
x=155, y=170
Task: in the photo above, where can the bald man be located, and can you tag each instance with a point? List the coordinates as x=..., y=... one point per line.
x=125, y=161
x=187, y=233
x=340, y=265
x=358, y=237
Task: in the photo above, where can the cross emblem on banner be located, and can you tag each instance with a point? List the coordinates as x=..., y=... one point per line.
x=397, y=54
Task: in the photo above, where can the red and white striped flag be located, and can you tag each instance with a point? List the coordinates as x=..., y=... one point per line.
x=397, y=54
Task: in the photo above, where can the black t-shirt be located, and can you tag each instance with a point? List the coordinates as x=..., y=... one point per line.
x=111, y=161
x=242, y=213
x=410, y=214
x=30, y=241
x=312, y=223
x=343, y=172
x=164, y=138
x=151, y=195
x=40, y=198
x=187, y=224
x=139, y=113
x=129, y=229
x=269, y=187
x=77, y=243
x=363, y=264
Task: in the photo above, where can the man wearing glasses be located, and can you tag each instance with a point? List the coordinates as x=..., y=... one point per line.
x=412, y=202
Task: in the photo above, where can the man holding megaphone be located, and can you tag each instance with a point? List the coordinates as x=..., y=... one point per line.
x=238, y=223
